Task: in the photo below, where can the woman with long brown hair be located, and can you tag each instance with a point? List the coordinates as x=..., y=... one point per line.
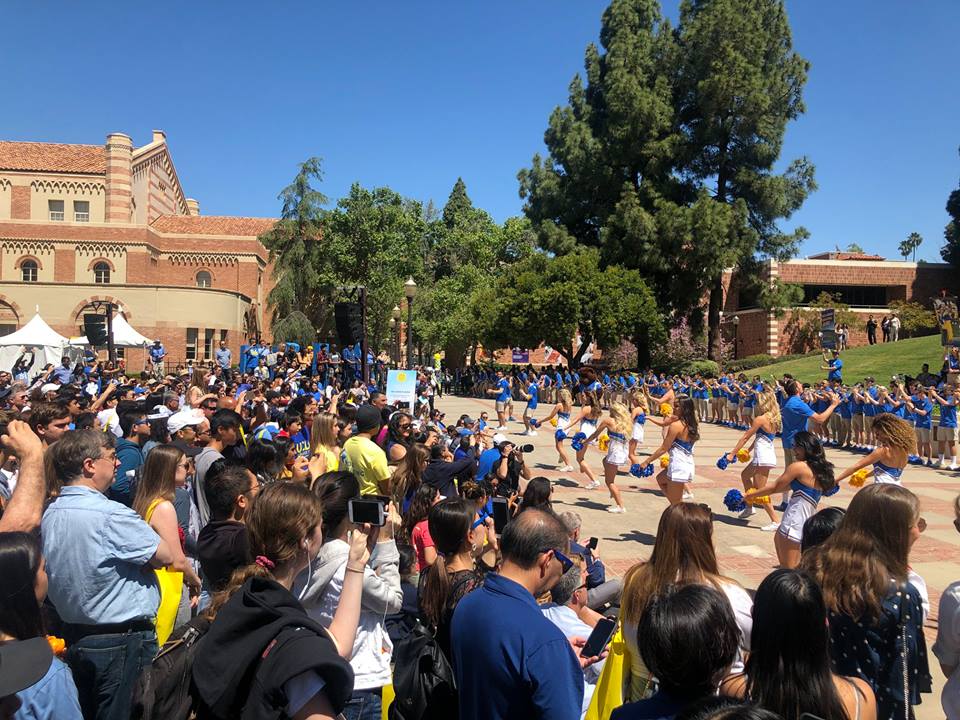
x=682, y=432
x=875, y=613
x=408, y=475
x=324, y=445
x=261, y=626
x=165, y=468
x=682, y=553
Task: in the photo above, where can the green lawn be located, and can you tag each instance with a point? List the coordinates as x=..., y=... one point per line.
x=880, y=361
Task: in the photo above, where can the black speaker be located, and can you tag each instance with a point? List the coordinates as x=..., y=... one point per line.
x=95, y=328
x=349, y=321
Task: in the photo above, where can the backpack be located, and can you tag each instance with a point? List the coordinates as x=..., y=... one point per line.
x=423, y=680
x=165, y=691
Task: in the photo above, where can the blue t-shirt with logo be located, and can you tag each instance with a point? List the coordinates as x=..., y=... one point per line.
x=504, y=386
x=534, y=392
x=948, y=413
x=794, y=417
x=836, y=370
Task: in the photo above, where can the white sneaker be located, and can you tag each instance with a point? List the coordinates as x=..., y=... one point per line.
x=770, y=527
x=687, y=495
x=593, y=485
x=500, y=427
x=616, y=509
x=532, y=433
x=953, y=466
x=566, y=468
x=748, y=511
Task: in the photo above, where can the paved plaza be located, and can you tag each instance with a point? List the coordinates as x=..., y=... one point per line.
x=744, y=551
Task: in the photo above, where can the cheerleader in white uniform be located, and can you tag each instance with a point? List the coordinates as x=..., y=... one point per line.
x=763, y=429
x=618, y=432
x=896, y=442
x=639, y=408
x=562, y=412
x=810, y=476
x=590, y=415
x=680, y=438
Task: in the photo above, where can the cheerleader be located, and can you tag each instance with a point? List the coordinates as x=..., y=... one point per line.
x=809, y=477
x=618, y=431
x=682, y=433
x=896, y=442
x=763, y=429
x=639, y=409
x=589, y=420
x=562, y=411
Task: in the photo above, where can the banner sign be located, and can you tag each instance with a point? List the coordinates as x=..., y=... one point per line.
x=402, y=386
x=521, y=357
x=945, y=308
x=828, y=330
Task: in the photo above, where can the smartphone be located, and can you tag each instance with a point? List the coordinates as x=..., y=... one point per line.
x=602, y=632
x=592, y=543
x=501, y=514
x=369, y=509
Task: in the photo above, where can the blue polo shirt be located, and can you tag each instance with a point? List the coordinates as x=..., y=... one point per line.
x=504, y=386
x=948, y=413
x=510, y=662
x=533, y=390
x=96, y=550
x=836, y=369
x=486, y=462
x=794, y=416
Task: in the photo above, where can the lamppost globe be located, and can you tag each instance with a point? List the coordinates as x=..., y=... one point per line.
x=393, y=323
x=396, y=313
x=410, y=291
x=410, y=288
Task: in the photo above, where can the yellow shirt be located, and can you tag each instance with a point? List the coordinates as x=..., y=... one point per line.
x=332, y=459
x=366, y=460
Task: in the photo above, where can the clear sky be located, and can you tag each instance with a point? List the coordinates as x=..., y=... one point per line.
x=413, y=94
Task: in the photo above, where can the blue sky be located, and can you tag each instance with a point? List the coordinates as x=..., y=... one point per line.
x=412, y=94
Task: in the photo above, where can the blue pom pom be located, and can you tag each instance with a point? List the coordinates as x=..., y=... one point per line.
x=534, y=423
x=722, y=463
x=560, y=435
x=577, y=445
x=635, y=470
x=834, y=491
x=648, y=471
x=580, y=436
x=734, y=501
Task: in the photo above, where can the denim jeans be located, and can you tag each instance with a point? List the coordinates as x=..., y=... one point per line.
x=105, y=669
x=364, y=705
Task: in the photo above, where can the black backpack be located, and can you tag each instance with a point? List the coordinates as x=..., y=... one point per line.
x=423, y=680
x=165, y=690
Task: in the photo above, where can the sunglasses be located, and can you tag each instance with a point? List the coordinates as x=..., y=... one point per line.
x=565, y=562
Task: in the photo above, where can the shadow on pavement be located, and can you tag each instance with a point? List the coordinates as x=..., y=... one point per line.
x=634, y=536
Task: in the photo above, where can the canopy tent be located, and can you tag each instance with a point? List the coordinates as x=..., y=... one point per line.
x=47, y=345
x=123, y=335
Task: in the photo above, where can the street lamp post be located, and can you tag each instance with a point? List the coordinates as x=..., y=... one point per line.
x=736, y=336
x=410, y=291
x=393, y=340
x=396, y=314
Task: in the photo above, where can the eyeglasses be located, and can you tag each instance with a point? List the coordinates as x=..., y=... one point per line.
x=404, y=426
x=565, y=562
x=112, y=457
x=209, y=407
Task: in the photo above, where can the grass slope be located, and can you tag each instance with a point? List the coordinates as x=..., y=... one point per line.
x=880, y=361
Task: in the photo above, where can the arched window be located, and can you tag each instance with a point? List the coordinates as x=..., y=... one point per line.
x=101, y=273
x=28, y=270
x=203, y=279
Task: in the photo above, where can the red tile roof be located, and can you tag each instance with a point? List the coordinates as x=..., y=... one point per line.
x=53, y=157
x=844, y=256
x=211, y=225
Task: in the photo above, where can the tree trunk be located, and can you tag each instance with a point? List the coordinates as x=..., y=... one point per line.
x=713, y=319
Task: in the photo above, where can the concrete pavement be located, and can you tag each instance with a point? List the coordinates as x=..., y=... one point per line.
x=745, y=553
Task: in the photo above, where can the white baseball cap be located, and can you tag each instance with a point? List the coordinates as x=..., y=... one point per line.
x=499, y=438
x=179, y=420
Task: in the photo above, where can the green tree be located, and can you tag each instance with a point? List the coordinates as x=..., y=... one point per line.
x=294, y=248
x=555, y=300
x=740, y=84
x=802, y=329
x=950, y=252
x=295, y=327
x=910, y=244
x=854, y=248
x=914, y=317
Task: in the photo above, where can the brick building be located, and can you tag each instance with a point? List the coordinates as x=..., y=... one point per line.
x=80, y=223
x=867, y=283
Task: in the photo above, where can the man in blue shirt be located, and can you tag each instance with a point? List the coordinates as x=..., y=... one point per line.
x=502, y=391
x=99, y=554
x=157, y=354
x=796, y=412
x=834, y=366
x=223, y=356
x=64, y=373
x=532, y=396
x=509, y=660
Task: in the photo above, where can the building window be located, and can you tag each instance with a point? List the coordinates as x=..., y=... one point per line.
x=203, y=279
x=6, y=329
x=852, y=295
x=28, y=270
x=55, y=208
x=208, y=337
x=81, y=211
x=101, y=273
x=223, y=336
x=191, y=348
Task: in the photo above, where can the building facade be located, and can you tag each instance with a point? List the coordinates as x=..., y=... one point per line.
x=867, y=283
x=85, y=223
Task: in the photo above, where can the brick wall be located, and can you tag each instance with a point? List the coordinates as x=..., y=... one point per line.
x=20, y=202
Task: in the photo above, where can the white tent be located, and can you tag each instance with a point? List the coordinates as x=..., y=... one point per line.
x=123, y=335
x=46, y=343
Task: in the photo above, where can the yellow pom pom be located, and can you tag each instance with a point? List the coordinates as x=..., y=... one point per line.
x=759, y=500
x=57, y=645
x=665, y=409
x=743, y=455
x=664, y=461
x=603, y=442
x=859, y=478
x=553, y=421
